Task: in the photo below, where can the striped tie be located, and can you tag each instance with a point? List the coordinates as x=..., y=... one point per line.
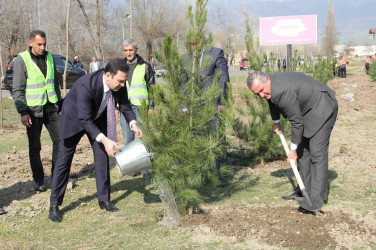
x=111, y=119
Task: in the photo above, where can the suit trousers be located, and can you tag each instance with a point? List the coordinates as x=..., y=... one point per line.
x=60, y=178
x=313, y=158
x=51, y=120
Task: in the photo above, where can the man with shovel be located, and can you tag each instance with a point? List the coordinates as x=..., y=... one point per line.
x=311, y=108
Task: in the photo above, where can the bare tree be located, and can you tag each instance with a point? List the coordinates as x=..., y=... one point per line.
x=150, y=19
x=94, y=39
x=330, y=37
x=66, y=49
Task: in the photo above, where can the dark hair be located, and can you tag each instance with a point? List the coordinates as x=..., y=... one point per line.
x=116, y=64
x=34, y=33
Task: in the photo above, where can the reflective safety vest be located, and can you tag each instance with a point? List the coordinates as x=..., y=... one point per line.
x=138, y=90
x=36, y=84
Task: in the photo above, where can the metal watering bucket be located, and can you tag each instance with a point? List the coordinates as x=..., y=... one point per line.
x=133, y=157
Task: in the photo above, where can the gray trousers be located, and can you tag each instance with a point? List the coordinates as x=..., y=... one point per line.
x=313, y=159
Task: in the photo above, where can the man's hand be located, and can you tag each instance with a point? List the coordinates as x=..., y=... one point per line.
x=221, y=108
x=137, y=132
x=26, y=121
x=150, y=111
x=109, y=146
x=277, y=127
x=292, y=156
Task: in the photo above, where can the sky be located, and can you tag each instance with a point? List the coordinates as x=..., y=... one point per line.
x=354, y=18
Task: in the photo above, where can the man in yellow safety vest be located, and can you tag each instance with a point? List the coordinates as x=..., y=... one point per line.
x=140, y=79
x=36, y=94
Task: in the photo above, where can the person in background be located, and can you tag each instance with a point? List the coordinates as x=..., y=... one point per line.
x=284, y=64
x=334, y=64
x=342, y=62
x=140, y=79
x=218, y=63
x=77, y=62
x=94, y=65
x=367, y=63
x=36, y=94
x=279, y=64
x=89, y=108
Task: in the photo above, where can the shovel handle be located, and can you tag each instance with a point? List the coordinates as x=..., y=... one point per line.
x=292, y=162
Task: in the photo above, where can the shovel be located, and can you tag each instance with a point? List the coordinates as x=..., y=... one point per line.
x=312, y=203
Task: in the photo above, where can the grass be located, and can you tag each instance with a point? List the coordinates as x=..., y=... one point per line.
x=85, y=226
x=11, y=120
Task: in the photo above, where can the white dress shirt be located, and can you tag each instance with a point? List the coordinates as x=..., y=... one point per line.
x=103, y=106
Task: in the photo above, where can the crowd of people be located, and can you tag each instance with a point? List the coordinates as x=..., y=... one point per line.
x=116, y=91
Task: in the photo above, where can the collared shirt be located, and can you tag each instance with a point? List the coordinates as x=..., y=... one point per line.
x=133, y=62
x=103, y=106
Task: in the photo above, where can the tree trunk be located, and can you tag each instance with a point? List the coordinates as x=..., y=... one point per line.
x=149, y=50
x=90, y=30
x=171, y=213
x=66, y=50
x=98, y=24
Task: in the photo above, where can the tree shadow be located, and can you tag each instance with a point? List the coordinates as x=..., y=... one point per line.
x=237, y=160
x=130, y=185
x=288, y=172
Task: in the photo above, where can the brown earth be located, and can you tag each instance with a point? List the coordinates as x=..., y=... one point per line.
x=339, y=226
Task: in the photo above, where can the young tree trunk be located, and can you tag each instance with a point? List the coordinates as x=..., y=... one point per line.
x=67, y=49
x=171, y=213
x=90, y=30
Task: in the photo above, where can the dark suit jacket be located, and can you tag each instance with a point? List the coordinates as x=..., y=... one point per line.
x=305, y=102
x=217, y=62
x=82, y=103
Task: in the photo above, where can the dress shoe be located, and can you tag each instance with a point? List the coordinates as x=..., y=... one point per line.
x=54, y=214
x=2, y=211
x=108, y=205
x=40, y=187
x=292, y=196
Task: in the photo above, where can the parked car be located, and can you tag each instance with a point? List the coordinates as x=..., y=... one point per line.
x=73, y=73
x=8, y=77
x=159, y=71
x=244, y=63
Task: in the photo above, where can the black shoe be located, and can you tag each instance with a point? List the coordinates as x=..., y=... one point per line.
x=40, y=187
x=305, y=211
x=2, y=211
x=292, y=196
x=108, y=205
x=54, y=214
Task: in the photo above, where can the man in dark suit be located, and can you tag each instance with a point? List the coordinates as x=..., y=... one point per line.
x=213, y=60
x=217, y=63
x=85, y=112
x=311, y=108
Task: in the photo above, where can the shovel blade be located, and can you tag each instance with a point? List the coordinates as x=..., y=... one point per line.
x=313, y=203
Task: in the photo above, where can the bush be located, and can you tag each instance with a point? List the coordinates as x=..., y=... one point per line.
x=372, y=71
x=323, y=71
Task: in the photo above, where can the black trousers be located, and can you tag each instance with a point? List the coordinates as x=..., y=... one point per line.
x=50, y=119
x=313, y=159
x=342, y=72
x=60, y=178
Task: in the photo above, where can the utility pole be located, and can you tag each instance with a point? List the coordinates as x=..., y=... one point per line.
x=130, y=19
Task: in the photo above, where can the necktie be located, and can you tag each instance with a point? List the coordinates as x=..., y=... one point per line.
x=111, y=119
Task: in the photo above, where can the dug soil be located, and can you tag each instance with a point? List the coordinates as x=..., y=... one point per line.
x=339, y=225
